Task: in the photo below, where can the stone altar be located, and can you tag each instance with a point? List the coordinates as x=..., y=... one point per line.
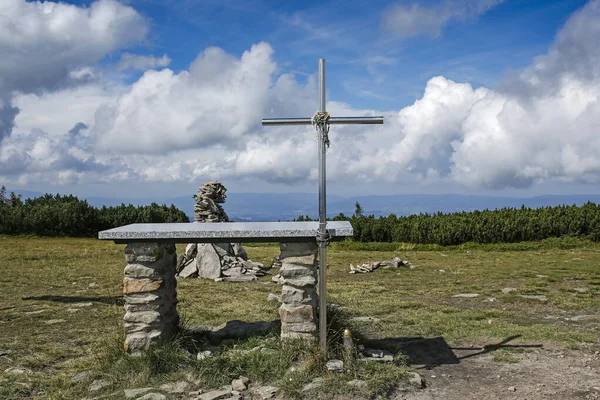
x=149, y=286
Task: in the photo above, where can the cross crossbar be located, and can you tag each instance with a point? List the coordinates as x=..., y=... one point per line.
x=376, y=120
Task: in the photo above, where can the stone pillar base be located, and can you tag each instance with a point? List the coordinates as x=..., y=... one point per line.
x=150, y=295
x=298, y=311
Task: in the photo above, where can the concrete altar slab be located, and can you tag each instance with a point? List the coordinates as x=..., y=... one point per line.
x=219, y=232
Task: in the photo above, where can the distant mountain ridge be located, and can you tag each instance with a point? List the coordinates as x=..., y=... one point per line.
x=287, y=206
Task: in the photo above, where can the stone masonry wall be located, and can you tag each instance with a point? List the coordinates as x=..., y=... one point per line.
x=150, y=295
x=298, y=311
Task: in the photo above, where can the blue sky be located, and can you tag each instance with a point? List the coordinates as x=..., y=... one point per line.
x=479, y=96
x=368, y=67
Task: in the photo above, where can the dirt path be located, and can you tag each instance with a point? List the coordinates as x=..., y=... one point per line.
x=538, y=374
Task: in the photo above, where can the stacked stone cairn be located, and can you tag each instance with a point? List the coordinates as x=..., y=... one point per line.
x=372, y=266
x=150, y=295
x=218, y=261
x=298, y=275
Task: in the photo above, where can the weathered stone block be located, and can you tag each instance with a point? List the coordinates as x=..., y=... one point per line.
x=140, y=285
x=144, y=271
x=307, y=327
x=296, y=271
x=297, y=249
x=144, y=317
x=144, y=252
x=153, y=306
x=295, y=296
x=208, y=261
x=296, y=314
x=300, y=281
x=145, y=298
x=306, y=261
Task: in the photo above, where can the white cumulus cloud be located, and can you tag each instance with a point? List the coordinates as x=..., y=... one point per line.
x=540, y=125
x=47, y=45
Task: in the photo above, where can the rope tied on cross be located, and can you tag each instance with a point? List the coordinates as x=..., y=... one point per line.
x=321, y=119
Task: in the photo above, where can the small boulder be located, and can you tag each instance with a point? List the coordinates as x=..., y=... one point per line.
x=240, y=384
x=416, y=380
x=203, y=355
x=335, y=365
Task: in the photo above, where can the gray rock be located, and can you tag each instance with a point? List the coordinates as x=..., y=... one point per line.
x=55, y=321
x=276, y=278
x=131, y=393
x=190, y=249
x=266, y=392
x=241, y=384
x=80, y=376
x=190, y=270
x=273, y=298
x=82, y=304
x=223, y=249
x=215, y=395
x=235, y=271
x=153, y=396
x=335, y=365
x=577, y=317
x=208, y=261
x=204, y=355
x=539, y=297
x=507, y=290
x=4, y=352
x=512, y=389
x=416, y=380
x=315, y=384
x=357, y=383
x=177, y=387
x=17, y=371
x=93, y=285
x=239, y=251
x=99, y=384
x=467, y=295
x=581, y=290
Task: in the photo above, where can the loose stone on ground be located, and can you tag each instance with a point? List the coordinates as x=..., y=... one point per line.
x=131, y=393
x=539, y=297
x=215, y=395
x=99, y=384
x=266, y=392
x=240, y=384
x=177, y=387
x=153, y=396
x=80, y=376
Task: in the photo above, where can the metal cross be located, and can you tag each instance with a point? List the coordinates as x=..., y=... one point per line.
x=322, y=234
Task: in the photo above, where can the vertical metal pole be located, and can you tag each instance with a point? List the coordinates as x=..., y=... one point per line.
x=322, y=217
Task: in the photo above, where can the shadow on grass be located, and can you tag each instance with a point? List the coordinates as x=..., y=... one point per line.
x=488, y=348
x=112, y=300
x=419, y=352
x=194, y=338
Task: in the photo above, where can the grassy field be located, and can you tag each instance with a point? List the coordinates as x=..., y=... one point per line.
x=61, y=311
